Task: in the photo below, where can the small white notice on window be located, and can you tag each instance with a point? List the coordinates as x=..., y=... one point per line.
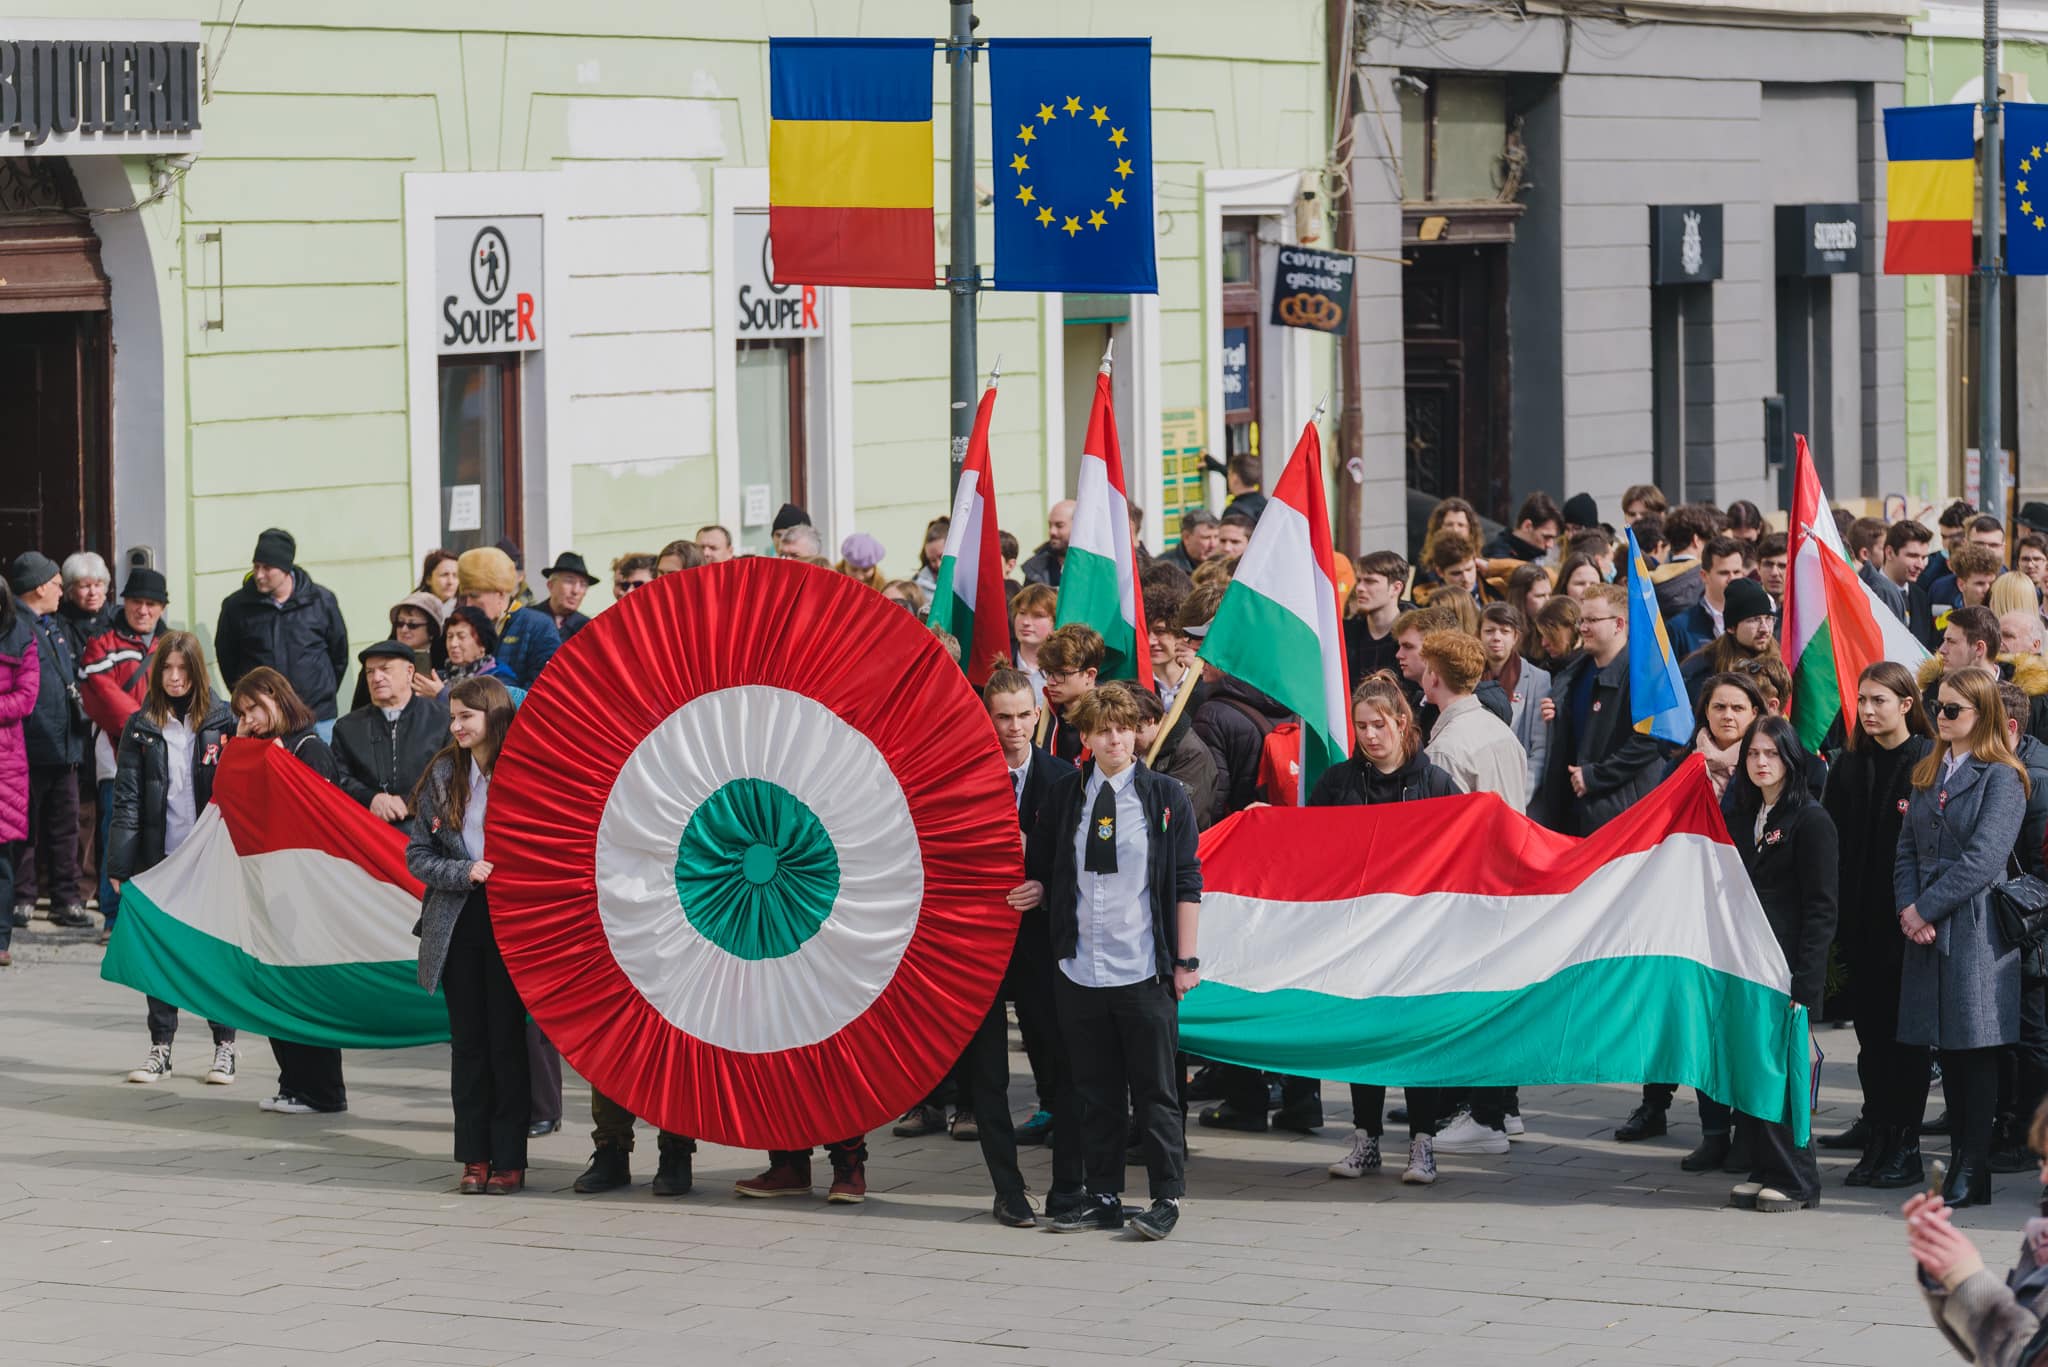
x=756, y=513
x=465, y=508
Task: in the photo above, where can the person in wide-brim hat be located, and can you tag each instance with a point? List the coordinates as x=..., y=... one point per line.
x=568, y=580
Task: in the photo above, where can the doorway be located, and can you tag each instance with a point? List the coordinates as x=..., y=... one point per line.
x=1454, y=335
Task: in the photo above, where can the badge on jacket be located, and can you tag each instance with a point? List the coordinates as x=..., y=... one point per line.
x=435, y=827
x=1905, y=805
x=212, y=755
x=1105, y=828
x=1596, y=704
x=1773, y=837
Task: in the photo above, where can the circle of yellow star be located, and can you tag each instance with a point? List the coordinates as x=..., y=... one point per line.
x=1073, y=106
x=1020, y=162
x=2041, y=222
x=1095, y=218
x=1045, y=114
x=1024, y=195
x=1123, y=168
x=1071, y=226
x=1116, y=199
x=1045, y=215
x=1100, y=116
x=1026, y=132
x=1117, y=138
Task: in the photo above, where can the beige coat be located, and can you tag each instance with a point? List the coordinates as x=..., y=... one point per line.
x=1480, y=751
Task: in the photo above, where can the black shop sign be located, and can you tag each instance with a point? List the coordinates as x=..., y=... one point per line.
x=122, y=90
x=1312, y=289
x=1685, y=243
x=1819, y=239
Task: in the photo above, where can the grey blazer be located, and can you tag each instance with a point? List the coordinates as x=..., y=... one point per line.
x=436, y=857
x=1526, y=704
x=1962, y=991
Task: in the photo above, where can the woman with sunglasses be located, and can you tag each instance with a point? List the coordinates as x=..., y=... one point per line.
x=1868, y=795
x=416, y=625
x=1960, y=983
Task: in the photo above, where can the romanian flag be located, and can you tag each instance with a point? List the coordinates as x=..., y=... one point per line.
x=850, y=161
x=1929, y=186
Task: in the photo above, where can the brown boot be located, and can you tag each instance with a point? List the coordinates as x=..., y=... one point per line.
x=849, y=1182
x=783, y=1179
x=474, y=1178
x=505, y=1181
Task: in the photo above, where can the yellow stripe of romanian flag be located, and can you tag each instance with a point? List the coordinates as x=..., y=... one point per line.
x=850, y=164
x=1922, y=191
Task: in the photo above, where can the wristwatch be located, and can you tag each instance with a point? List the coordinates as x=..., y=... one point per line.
x=1189, y=964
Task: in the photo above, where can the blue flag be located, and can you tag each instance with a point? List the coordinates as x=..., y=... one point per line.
x=1072, y=121
x=1656, y=691
x=2026, y=189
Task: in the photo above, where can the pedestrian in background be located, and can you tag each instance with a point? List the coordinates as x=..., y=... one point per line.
x=55, y=735
x=20, y=682
x=279, y=617
x=438, y=577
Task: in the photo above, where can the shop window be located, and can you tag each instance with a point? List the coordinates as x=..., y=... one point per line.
x=1243, y=322
x=1453, y=132
x=481, y=451
x=771, y=403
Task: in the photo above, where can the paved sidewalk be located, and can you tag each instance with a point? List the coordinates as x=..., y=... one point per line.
x=178, y=1224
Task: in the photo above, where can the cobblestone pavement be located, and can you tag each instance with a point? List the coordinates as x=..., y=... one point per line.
x=178, y=1223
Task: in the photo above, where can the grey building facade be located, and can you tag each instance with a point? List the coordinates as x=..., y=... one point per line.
x=1509, y=173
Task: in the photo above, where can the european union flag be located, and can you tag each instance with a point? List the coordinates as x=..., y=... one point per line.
x=1073, y=164
x=1656, y=692
x=2026, y=188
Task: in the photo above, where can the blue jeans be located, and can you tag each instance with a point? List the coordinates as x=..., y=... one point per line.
x=324, y=730
x=109, y=905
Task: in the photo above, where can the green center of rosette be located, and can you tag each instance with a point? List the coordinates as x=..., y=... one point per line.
x=755, y=870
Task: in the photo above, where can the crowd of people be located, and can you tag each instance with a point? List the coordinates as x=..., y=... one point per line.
x=1485, y=665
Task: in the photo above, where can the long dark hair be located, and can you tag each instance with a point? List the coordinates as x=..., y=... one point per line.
x=1897, y=680
x=488, y=696
x=1743, y=793
x=293, y=716
x=156, y=702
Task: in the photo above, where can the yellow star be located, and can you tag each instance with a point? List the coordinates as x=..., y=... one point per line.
x=2026, y=208
x=1123, y=169
x=1095, y=218
x=2026, y=165
x=1117, y=138
x=1100, y=116
x=1024, y=195
x=1020, y=162
x=1116, y=199
x=2020, y=185
x=1045, y=215
x=2037, y=153
x=1073, y=106
x=1025, y=131
x=1071, y=226
x=2041, y=223
x=1045, y=114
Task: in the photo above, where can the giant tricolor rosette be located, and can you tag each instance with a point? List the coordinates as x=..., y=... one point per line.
x=753, y=834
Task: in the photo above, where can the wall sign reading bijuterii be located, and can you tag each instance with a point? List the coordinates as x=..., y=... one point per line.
x=98, y=86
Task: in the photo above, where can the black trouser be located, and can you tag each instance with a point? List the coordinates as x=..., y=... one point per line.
x=1426, y=1108
x=1248, y=1089
x=6, y=893
x=986, y=1066
x=2023, y=1067
x=842, y=1152
x=1715, y=1117
x=310, y=1072
x=1894, y=1077
x=612, y=1128
x=487, y=1072
x=1781, y=1164
x=1122, y=1041
x=163, y=1024
x=543, y=1075
x=1969, y=1082
x=49, y=861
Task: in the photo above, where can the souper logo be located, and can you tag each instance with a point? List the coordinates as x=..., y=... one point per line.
x=490, y=265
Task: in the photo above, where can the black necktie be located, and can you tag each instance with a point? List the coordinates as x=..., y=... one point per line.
x=1102, y=832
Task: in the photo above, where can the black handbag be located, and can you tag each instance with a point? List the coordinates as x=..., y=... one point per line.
x=2021, y=905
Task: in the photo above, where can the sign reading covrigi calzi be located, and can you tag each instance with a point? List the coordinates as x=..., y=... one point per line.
x=1312, y=289
x=80, y=87
x=761, y=307
x=487, y=276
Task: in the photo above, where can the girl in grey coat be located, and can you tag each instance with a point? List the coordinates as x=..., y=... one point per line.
x=487, y=1061
x=1960, y=988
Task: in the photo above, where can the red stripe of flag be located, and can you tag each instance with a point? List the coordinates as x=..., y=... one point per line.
x=891, y=248
x=1929, y=247
x=273, y=802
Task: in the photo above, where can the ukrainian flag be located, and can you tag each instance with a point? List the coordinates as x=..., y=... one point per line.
x=1929, y=188
x=850, y=161
x=1656, y=692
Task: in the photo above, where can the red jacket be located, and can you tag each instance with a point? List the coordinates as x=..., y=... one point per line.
x=113, y=675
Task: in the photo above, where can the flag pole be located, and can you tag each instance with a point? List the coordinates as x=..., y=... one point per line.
x=1180, y=705
x=962, y=278
x=1990, y=452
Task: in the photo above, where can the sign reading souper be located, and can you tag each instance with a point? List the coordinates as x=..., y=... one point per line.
x=1312, y=289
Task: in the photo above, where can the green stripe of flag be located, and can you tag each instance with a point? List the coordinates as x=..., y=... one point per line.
x=1256, y=640
x=1088, y=594
x=1817, y=690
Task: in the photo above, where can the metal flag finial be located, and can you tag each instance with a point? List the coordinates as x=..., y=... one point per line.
x=1104, y=369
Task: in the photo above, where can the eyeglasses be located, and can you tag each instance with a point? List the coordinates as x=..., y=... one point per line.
x=625, y=586
x=1949, y=711
x=1589, y=621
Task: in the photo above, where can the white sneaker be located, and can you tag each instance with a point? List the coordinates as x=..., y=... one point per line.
x=1466, y=1135
x=1363, y=1158
x=284, y=1103
x=154, y=1068
x=1421, y=1162
x=1515, y=1128
x=223, y=1070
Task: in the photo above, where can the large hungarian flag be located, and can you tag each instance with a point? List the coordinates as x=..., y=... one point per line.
x=968, y=600
x=1833, y=626
x=1495, y=953
x=288, y=911
x=1099, y=582
x=1280, y=624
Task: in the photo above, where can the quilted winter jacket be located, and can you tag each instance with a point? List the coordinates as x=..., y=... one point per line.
x=20, y=681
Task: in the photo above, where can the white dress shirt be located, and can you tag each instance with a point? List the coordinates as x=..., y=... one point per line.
x=473, y=814
x=1114, y=909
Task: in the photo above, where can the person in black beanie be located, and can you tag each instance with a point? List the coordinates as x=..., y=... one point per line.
x=1113, y=858
x=279, y=617
x=1581, y=514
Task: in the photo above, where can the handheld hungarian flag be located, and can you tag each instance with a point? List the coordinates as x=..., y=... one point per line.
x=1280, y=624
x=1834, y=627
x=1656, y=689
x=1337, y=945
x=1099, y=582
x=968, y=600
x=288, y=911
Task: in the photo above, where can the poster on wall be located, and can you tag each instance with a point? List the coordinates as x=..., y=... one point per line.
x=487, y=275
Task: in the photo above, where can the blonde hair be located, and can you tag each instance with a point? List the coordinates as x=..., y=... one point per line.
x=2014, y=592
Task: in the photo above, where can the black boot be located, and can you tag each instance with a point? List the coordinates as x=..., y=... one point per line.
x=1968, y=1184
x=1741, y=1151
x=1644, y=1122
x=1709, y=1156
x=608, y=1171
x=1874, y=1154
x=2008, y=1149
x=1857, y=1136
x=1902, y=1166
x=673, y=1177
